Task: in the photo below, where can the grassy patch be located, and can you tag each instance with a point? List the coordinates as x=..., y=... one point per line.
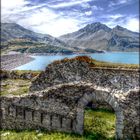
x=21, y=72
x=98, y=125
x=14, y=86
x=96, y=63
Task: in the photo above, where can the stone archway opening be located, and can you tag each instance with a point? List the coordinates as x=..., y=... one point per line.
x=112, y=103
x=99, y=120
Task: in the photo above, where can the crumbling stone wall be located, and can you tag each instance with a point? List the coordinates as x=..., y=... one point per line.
x=59, y=95
x=70, y=71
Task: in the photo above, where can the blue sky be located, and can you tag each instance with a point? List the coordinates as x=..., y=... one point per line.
x=58, y=17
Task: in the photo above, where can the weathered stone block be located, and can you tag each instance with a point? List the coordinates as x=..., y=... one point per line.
x=46, y=121
x=28, y=115
x=3, y=113
x=56, y=122
x=12, y=111
x=67, y=124
x=20, y=113
x=37, y=117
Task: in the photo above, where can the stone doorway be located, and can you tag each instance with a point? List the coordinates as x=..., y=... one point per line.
x=99, y=121
x=104, y=97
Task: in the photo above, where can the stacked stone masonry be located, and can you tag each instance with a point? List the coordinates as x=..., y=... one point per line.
x=58, y=96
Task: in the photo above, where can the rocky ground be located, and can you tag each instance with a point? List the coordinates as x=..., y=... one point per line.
x=12, y=61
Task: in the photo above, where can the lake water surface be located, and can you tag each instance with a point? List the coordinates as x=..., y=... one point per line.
x=41, y=62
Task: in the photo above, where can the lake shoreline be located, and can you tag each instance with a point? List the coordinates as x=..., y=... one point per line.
x=27, y=61
x=11, y=61
x=14, y=60
x=61, y=54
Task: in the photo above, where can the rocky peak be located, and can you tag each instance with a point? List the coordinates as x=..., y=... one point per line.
x=119, y=28
x=94, y=27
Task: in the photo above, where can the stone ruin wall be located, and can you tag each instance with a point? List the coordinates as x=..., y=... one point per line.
x=41, y=110
x=59, y=95
x=19, y=116
x=114, y=79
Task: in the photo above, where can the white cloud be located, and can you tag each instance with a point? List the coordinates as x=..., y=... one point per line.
x=47, y=22
x=85, y=5
x=132, y=24
x=123, y=1
x=115, y=16
x=94, y=7
x=40, y=18
x=68, y=4
x=129, y=22
x=14, y=9
x=88, y=13
x=62, y=26
x=12, y=6
x=119, y=2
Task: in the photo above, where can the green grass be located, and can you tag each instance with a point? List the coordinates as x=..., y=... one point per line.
x=19, y=72
x=14, y=86
x=98, y=125
x=114, y=65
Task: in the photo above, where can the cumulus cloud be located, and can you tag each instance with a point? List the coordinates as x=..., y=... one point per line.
x=94, y=7
x=6, y=4
x=41, y=18
x=63, y=26
x=14, y=9
x=85, y=5
x=11, y=7
x=130, y=22
x=115, y=16
x=47, y=21
x=57, y=17
x=88, y=13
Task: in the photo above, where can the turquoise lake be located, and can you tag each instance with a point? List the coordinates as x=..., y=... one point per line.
x=41, y=62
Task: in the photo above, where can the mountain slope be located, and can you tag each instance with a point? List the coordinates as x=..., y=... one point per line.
x=100, y=37
x=15, y=37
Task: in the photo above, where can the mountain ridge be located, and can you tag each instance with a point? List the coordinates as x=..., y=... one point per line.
x=17, y=38
x=92, y=38
x=100, y=37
